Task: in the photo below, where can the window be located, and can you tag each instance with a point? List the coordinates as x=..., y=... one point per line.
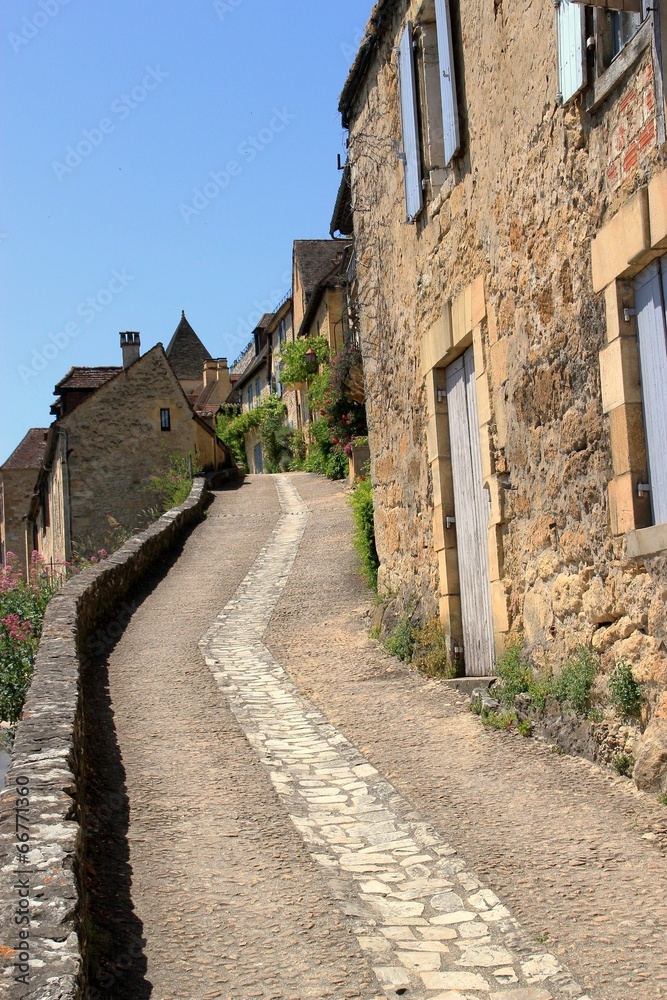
x=650, y=299
x=282, y=331
x=250, y=397
x=589, y=39
x=258, y=388
x=279, y=387
x=165, y=420
x=428, y=99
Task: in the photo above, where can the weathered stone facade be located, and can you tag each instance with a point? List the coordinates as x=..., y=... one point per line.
x=503, y=258
x=17, y=484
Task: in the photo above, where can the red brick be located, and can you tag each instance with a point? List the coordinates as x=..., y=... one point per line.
x=613, y=175
x=647, y=135
x=627, y=101
x=649, y=102
x=619, y=139
x=631, y=158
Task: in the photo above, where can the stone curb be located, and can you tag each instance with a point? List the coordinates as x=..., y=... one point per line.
x=47, y=751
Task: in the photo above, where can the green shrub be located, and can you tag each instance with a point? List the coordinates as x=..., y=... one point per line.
x=171, y=485
x=514, y=671
x=525, y=728
x=573, y=684
x=623, y=763
x=497, y=720
x=293, y=365
x=430, y=650
x=625, y=694
x=361, y=502
x=662, y=798
x=268, y=417
x=400, y=641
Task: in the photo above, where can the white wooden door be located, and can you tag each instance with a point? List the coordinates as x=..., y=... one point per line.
x=471, y=509
x=650, y=298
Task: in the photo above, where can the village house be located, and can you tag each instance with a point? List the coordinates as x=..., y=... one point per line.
x=114, y=426
x=509, y=197
x=17, y=484
x=205, y=380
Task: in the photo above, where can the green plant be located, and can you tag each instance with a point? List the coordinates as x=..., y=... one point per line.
x=497, y=720
x=662, y=798
x=573, y=684
x=594, y=715
x=361, y=503
x=542, y=938
x=625, y=694
x=430, y=650
x=557, y=750
x=268, y=417
x=400, y=642
x=525, y=728
x=514, y=671
x=169, y=485
x=622, y=763
x=294, y=368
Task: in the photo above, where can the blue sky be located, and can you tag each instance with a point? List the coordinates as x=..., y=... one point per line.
x=157, y=158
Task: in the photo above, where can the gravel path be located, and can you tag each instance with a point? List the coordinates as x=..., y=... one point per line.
x=201, y=884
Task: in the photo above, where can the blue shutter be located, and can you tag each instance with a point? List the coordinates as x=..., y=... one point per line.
x=409, y=125
x=570, y=19
x=450, y=110
x=650, y=294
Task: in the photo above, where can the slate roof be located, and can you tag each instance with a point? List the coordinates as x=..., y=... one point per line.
x=315, y=260
x=86, y=378
x=186, y=353
x=30, y=452
x=377, y=23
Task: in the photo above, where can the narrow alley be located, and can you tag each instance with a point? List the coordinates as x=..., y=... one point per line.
x=280, y=810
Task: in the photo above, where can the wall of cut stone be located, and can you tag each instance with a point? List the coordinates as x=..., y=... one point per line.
x=18, y=486
x=46, y=760
x=518, y=208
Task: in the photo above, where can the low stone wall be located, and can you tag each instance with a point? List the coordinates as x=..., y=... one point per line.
x=41, y=808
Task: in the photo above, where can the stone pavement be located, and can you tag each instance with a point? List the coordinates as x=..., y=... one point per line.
x=300, y=814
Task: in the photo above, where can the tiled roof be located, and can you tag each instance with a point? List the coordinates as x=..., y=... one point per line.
x=377, y=23
x=30, y=452
x=86, y=378
x=186, y=353
x=315, y=259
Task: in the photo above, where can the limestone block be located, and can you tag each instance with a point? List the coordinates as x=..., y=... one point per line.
x=499, y=362
x=496, y=552
x=618, y=296
x=462, y=315
x=647, y=541
x=628, y=443
x=643, y=653
x=622, y=242
x=438, y=529
x=492, y=325
x=627, y=511
x=604, y=638
x=499, y=607
x=478, y=351
x=619, y=373
x=448, y=566
x=537, y=616
x=650, y=773
x=497, y=498
x=599, y=603
x=450, y=616
x=438, y=341
x=486, y=453
x=437, y=437
x=443, y=491
x=483, y=398
x=500, y=411
x=657, y=207
x=478, y=302
x=435, y=383
x=567, y=593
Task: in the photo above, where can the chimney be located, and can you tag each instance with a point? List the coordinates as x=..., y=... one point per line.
x=130, y=345
x=210, y=372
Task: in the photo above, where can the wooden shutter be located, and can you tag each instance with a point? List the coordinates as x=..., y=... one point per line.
x=471, y=506
x=450, y=110
x=650, y=297
x=409, y=124
x=571, y=29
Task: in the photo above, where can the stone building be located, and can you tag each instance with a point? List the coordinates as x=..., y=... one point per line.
x=510, y=215
x=114, y=427
x=205, y=380
x=17, y=483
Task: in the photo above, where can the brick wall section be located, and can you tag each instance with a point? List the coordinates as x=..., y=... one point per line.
x=48, y=751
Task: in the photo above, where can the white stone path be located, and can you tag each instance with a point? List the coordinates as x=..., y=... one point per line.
x=428, y=926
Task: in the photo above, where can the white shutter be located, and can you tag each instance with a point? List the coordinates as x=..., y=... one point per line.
x=409, y=124
x=650, y=291
x=571, y=26
x=450, y=110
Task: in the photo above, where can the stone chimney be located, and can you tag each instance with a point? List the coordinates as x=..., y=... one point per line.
x=210, y=372
x=130, y=345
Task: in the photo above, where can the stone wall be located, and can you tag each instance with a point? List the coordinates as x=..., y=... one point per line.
x=47, y=761
x=500, y=259
x=17, y=487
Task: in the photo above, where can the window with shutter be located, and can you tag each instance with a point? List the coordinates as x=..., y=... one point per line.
x=650, y=298
x=409, y=125
x=571, y=31
x=450, y=111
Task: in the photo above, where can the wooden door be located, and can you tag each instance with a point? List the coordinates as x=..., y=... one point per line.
x=471, y=505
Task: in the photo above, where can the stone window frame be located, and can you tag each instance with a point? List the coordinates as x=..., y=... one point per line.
x=463, y=323
x=634, y=236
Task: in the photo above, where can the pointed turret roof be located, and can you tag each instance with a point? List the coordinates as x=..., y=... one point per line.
x=186, y=352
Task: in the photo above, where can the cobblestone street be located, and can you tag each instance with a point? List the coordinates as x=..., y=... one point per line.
x=309, y=818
